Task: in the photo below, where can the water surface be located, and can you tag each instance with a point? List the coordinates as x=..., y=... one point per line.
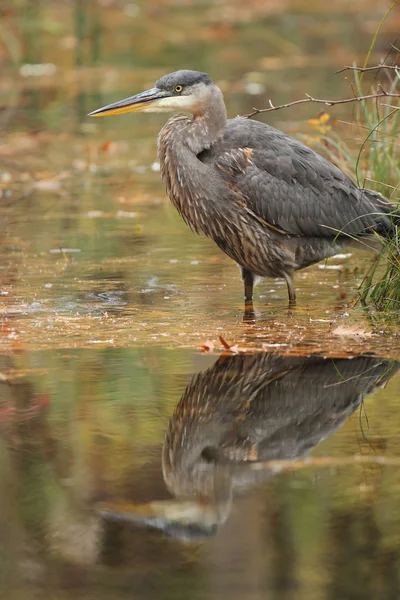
x=147, y=471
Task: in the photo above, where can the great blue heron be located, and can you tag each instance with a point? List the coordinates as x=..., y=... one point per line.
x=267, y=200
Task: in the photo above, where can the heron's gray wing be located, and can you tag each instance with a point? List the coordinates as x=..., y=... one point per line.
x=293, y=188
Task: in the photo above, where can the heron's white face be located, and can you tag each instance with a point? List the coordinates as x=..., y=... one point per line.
x=193, y=99
x=190, y=100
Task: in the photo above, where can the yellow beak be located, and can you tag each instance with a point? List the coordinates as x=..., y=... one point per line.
x=132, y=104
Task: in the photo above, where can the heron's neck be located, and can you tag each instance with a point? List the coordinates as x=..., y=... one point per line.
x=208, y=124
x=192, y=185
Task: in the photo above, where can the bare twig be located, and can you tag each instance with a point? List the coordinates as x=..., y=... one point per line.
x=364, y=69
x=353, y=89
x=379, y=94
x=391, y=106
x=325, y=461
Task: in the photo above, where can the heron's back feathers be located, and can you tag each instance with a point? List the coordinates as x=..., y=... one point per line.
x=292, y=187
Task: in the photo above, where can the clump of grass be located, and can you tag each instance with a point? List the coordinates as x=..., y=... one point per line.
x=375, y=166
x=385, y=293
x=381, y=168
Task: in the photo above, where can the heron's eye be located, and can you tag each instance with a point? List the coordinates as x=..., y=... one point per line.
x=178, y=89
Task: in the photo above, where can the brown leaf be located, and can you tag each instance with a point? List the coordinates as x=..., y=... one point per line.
x=234, y=348
x=107, y=146
x=351, y=331
x=208, y=346
x=224, y=343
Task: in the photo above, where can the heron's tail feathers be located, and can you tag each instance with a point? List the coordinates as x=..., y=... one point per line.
x=387, y=213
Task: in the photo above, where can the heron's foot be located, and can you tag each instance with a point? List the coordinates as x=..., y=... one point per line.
x=291, y=289
x=291, y=308
x=248, y=313
x=248, y=280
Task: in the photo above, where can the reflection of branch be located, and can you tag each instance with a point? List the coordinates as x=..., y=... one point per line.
x=379, y=94
x=364, y=69
x=324, y=461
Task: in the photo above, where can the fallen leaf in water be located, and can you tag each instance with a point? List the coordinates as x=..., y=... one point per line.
x=234, y=348
x=351, y=331
x=106, y=147
x=208, y=346
x=47, y=185
x=224, y=343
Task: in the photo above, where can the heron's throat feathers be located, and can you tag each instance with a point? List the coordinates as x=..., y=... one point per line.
x=188, y=180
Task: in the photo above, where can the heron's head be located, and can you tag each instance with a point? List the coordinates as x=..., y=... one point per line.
x=190, y=91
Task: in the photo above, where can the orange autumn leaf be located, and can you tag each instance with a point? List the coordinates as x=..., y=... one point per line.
x=108, y=146
x=324, y=118
x=208, y=346
x=231, y=348
x=224, y=343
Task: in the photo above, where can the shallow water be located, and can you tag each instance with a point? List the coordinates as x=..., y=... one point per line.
x=139, y=277
x=276, y=475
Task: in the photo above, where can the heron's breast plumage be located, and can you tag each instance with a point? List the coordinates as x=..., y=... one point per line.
x=172, y=171
x=212, y=204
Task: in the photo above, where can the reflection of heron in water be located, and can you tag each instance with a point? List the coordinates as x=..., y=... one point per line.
x=267, y=200
x=239, y=414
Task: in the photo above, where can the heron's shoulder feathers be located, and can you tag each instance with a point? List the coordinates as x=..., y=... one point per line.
x=292, y=187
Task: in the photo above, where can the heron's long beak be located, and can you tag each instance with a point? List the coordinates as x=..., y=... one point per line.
x=180, y=518
x=142, y=101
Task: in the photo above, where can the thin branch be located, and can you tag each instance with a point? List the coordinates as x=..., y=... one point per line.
x=325, y=461
x=391, y=106
x=364, y=69
x=353, y=89
x=380, y=94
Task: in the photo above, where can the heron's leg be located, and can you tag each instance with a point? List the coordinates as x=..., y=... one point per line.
x=248, y=280
x=290, y=286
